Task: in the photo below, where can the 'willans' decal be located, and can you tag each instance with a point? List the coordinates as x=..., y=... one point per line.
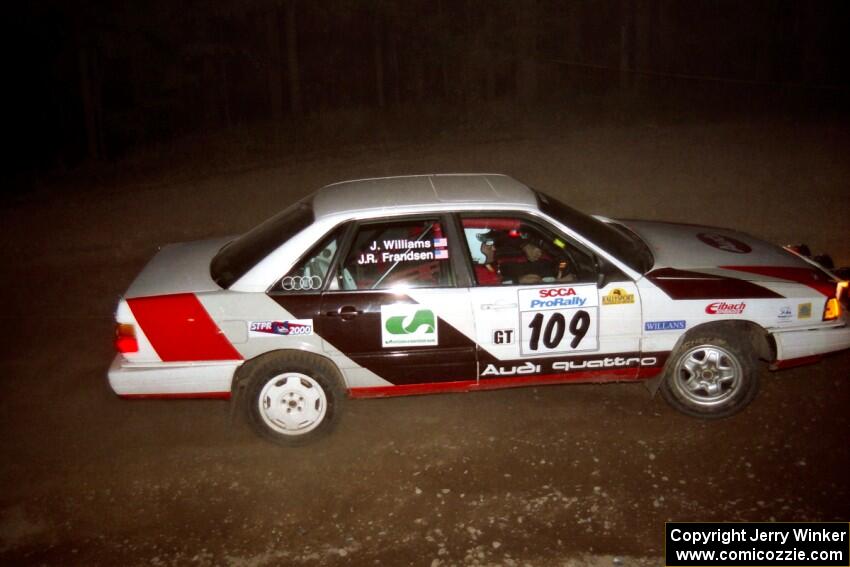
x=665, y=325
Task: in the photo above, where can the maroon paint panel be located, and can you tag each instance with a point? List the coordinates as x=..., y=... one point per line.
x=810, y=277
x=683, y=284
x=180, y=330
x=610, y=375
x=411, y=389
x=450, y=367
x=359, y=338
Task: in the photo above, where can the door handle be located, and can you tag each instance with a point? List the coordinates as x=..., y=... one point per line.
x=346, y=312
x=497, y=306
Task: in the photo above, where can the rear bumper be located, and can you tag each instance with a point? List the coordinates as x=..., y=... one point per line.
x=808, y=345
x=171, y=379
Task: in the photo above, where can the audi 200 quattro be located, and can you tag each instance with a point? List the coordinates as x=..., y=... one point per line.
x=454, y=283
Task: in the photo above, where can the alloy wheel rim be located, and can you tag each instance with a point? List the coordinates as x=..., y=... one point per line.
x=707, y=375
x=292, y=403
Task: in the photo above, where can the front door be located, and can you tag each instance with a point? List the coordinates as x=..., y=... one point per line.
x=539, y=311
x=394, y=307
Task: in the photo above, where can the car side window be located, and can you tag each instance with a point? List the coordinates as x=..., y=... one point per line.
x=517, y=251
x=404, y=253
x=311, y=272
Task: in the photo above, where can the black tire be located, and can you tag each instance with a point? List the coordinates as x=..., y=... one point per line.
x=292, y=398
x=711, y=375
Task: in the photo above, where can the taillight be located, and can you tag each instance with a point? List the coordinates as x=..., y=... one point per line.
x=832, y=309
x=843, y=294
x=125, y=338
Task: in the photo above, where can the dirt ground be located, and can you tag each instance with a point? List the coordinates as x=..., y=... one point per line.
x=568, y=475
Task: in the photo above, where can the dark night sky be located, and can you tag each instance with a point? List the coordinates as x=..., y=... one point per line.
x=100, y=80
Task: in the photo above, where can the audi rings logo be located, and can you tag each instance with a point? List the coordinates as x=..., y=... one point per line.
x=300, y=283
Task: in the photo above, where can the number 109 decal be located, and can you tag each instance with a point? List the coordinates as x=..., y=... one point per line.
x=559, y=320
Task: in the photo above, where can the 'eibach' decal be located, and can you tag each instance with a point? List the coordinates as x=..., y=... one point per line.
x=723, y=308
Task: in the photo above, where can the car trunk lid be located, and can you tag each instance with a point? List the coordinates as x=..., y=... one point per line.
x=178, y=268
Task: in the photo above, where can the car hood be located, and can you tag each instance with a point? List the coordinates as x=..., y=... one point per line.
x=178, y=268
x=697, y=262
x=688, y=246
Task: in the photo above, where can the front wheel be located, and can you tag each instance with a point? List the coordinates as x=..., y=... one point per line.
x=293, y=398
x=711, y=376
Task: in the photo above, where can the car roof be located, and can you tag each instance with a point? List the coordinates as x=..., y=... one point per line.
x=438, y=191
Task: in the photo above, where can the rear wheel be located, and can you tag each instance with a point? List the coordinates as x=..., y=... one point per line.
x=711, y=375
x=293, y=398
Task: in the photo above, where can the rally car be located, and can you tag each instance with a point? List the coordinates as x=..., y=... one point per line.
x=454, y=283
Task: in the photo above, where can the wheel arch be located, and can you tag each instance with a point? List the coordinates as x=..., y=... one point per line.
x=752, y=341
x=237, y=385
x=759, y=339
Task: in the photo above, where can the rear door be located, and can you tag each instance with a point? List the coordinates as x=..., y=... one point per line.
x=395, y=307
x=543, y=317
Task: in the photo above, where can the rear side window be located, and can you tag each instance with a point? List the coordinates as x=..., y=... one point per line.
x=408, y=253
x=309, y=275
x=243, y=253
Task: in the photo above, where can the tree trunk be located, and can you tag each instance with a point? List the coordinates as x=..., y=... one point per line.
x=92, y=109
x=378, y=42
x=224, y=93
x=490, y=55
x=292, y=59
x=643, y=46
x=574, y=42
x=274, y=65
x=526, y=50
x=392, y=52
x=444, y=56
x=626, y=43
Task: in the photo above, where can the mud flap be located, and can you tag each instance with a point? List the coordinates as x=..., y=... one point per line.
x=653, y=384
x=236, y=395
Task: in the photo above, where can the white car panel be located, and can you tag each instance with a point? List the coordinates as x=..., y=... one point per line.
x=701, y=275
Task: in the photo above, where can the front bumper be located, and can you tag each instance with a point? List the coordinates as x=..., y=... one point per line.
x=171, y=379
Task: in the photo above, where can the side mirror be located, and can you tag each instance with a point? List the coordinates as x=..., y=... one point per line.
x=601, y=272
x=601, y=279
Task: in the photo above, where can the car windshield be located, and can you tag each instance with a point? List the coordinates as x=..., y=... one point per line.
x=613, y=238
x=243, y=253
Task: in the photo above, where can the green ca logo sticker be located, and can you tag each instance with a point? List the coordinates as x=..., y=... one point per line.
x=421, y=322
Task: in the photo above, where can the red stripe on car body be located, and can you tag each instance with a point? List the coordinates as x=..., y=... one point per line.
x=180, y=330
x=794, y=362
x=607, y=375
x=810, y=277
x=410, y=389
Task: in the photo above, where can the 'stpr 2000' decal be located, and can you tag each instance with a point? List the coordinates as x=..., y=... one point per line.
x=406, y=325
x=285, y=328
